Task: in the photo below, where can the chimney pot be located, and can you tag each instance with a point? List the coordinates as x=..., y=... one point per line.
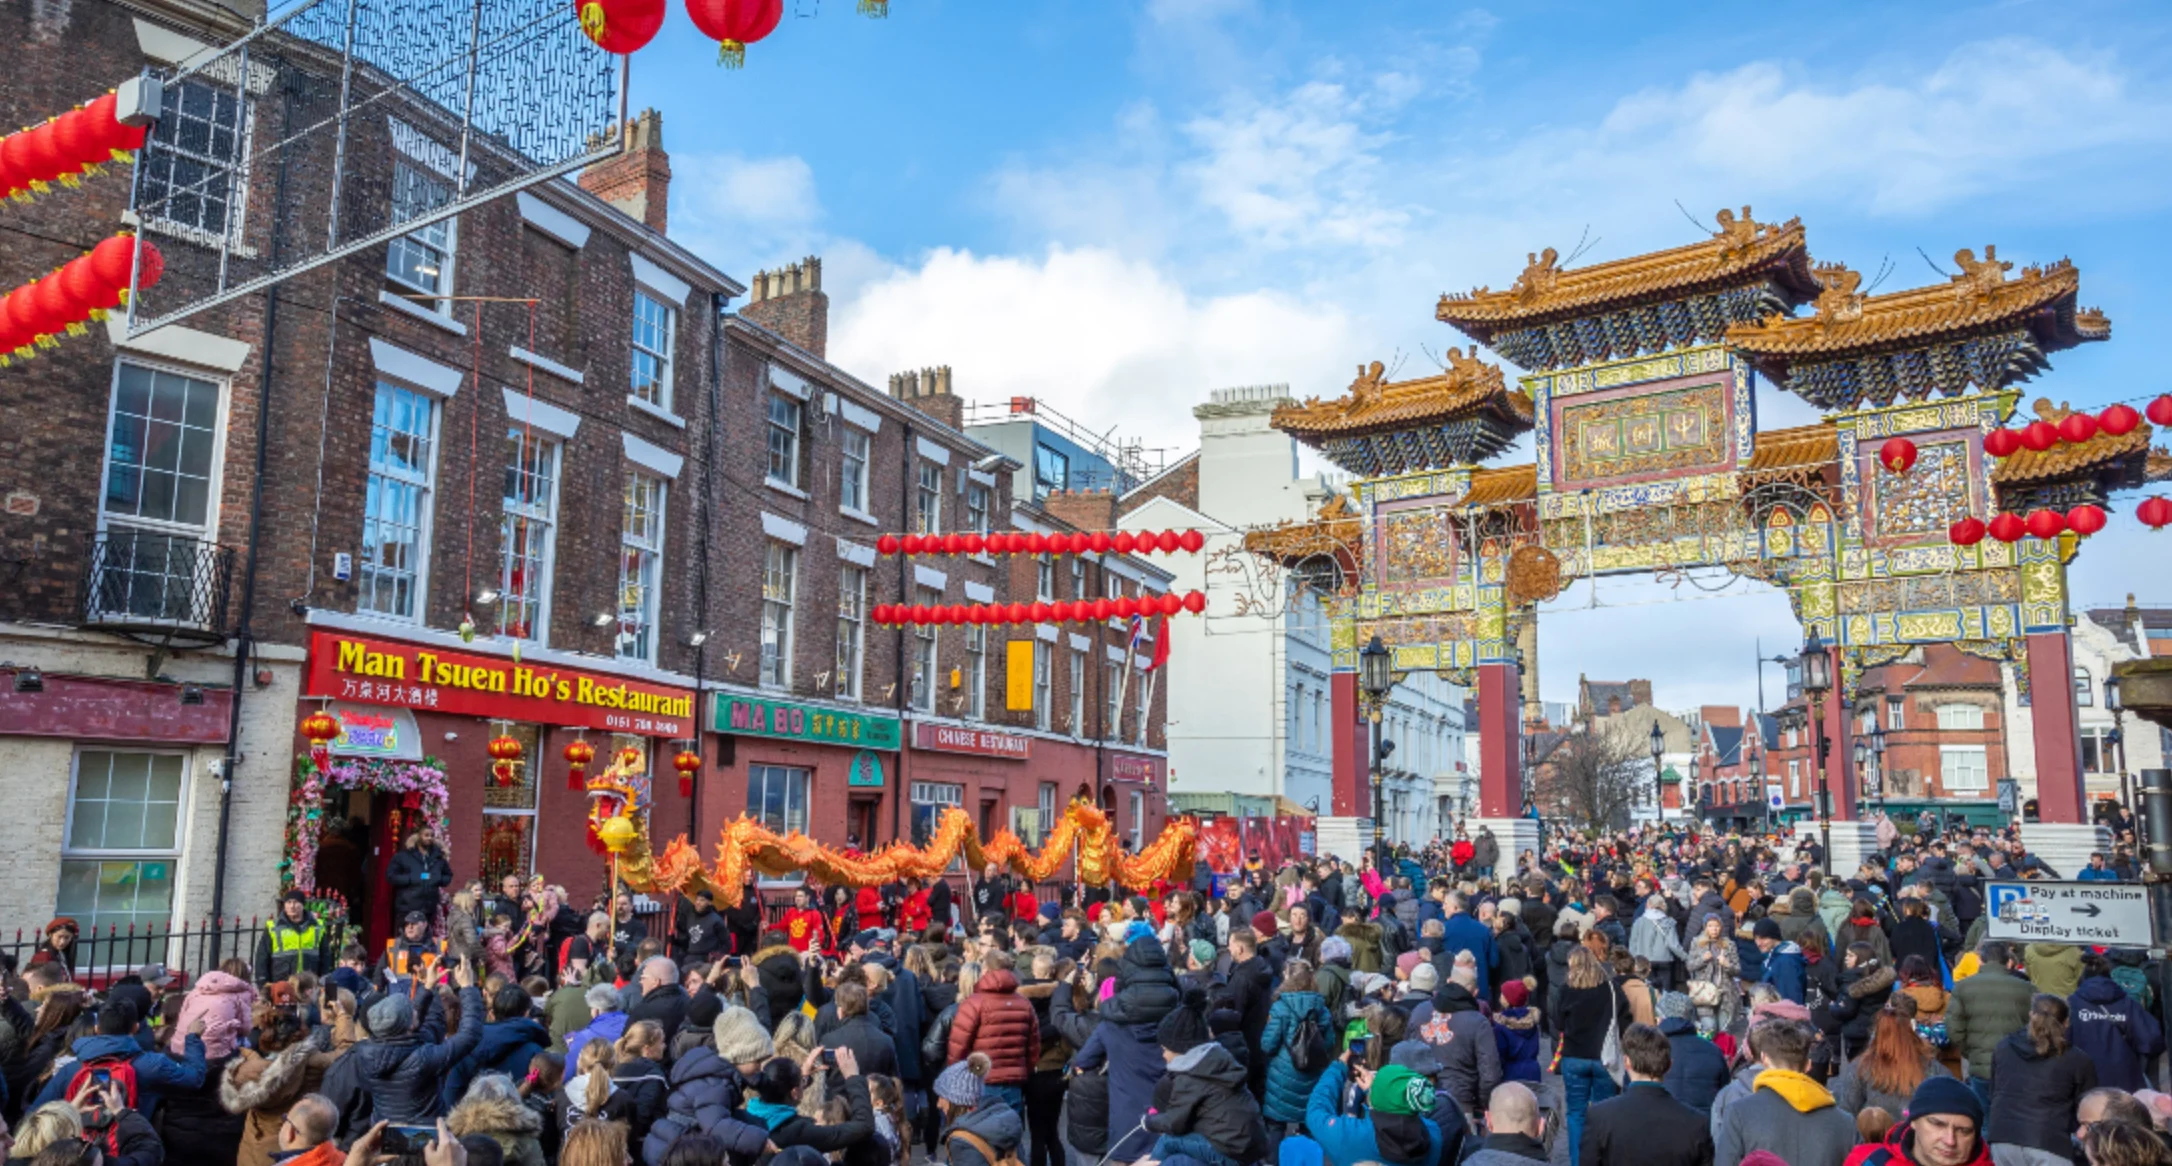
x=638, y=179
x=789, y=301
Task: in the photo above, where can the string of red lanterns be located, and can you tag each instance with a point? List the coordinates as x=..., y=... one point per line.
x=688, y=763
x=2083, y=520
x=34, y=315
x=504, y=750
x=63, y=147
x=1146, y=542
x=2075, y=428
x=1068, y=611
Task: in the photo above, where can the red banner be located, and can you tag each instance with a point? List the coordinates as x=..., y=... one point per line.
x=959, y=739
x=1220, y=847
x=367, y=670
x=1127, y=767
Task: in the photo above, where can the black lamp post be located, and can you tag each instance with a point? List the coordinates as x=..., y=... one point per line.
x=1659, y=747
x=1817, y=680
x=2117, y=704
x=1877, y=757
x=1375, y=678
x=1692, y=785
x=1757, y=770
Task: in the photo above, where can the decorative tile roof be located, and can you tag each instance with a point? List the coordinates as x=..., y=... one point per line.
x=1504, y=486
x=1373, y=404
x=1336, y=530
x=1742, y=251
x=1803, y=447
x=2100, y=454
x=1979, y=301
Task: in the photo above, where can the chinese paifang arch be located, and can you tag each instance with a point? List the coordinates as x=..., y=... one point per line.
x=620, y=811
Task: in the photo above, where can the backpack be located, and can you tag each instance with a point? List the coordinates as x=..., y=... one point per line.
x=1309, y=1052
x=2133, y=982
x=986, y=1151
x=117, y=1070
x=1203, y=928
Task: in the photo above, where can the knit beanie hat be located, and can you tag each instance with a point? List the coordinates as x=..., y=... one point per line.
x=1514, y=994
x=1946, y=1096
x=1408, y=961
x=959, y=1085
x=391, y=1016
x=1334, y=949
x=1674, y=1006
x=1401, y=1089
x=1264, y=923
x=702, y=1010
x=741, y=1039
x=1227, y=1020
x=1137, y=930
x=1185, y=1028
x=1202, y=951
x=1424, y=978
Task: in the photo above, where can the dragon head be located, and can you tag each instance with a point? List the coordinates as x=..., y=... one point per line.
x=616, y=797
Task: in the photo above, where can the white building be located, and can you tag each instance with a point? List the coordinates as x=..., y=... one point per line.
x=1426, y=787
x=1251, y=711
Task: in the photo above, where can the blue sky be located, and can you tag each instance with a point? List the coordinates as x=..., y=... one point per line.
x=1117, y=206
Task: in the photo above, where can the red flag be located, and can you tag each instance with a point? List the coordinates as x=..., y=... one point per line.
x=1161, y=646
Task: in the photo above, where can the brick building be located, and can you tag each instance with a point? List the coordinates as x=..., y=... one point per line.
x=452, y=517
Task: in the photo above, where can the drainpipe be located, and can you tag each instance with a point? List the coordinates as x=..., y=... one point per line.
x=900, y=688
x=719, y=303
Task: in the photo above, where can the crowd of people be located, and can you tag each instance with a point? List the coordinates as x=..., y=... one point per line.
x=1666, y=995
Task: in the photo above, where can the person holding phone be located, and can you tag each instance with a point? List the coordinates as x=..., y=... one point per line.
x=386, y=1140
x=396, y=1076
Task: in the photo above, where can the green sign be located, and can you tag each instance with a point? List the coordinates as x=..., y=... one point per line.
x=866, y=769
x=798, y=722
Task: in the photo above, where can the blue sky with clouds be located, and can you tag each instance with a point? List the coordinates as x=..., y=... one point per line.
x=1117, y=206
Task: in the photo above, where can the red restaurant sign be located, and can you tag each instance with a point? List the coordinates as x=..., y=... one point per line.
x=959, y=739
x=1124, y=767
x=366, y=670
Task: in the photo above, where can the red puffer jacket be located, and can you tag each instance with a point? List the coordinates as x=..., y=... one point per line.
x=997, y=1021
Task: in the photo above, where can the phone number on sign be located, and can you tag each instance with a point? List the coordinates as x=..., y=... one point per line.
x=643, y=726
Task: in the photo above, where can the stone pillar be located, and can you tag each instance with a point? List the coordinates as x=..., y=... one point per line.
x=1352, y=747
x=1500, y=742
x=2052, y=716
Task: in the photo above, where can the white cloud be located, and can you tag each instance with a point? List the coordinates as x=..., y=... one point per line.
x=1302, y=169
x=1104, y=338
x=772, y=192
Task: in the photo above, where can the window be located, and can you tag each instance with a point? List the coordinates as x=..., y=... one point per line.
x=1791, y=738
x=924, y=654
x=1112, y=584
x=928, y=501
x=653, y=322
x=1044, y=578
x=976, y=507
x=851, y=629
x=1076, y=722
x=123, y=839
x=2083, y=694
x=784, y=440
x=1145, y=694
x=930, y=799
x=397, y=508
x=1319, y=745
x=2099, y=754
x=1794, y=778
x=160, y=464
x=1047, y=806
x=421, y=260
x=1051, y=470
x=780, y=571
x=1138, y=819
x=1294, y=729
x=640, y=555
x=777, y=797
x=187, y=166
x=1896, y=713
x=524, y=552
x=1042, y=696
x=1866, y=719
x=1078, y=577
x=976, y=671
x=852, y=471
x=1960, y=716
x=508, y=842
x=1963, y=768
x=1111, y=691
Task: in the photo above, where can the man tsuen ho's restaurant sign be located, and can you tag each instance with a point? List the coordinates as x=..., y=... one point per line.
x=372, y=671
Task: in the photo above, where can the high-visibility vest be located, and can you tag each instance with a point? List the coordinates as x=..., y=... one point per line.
x=396, y=956
x=299, y=942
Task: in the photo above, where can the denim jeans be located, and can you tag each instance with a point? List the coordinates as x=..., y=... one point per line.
x=1585, y=1083
x=1013, y=1096
x=1981, y=1087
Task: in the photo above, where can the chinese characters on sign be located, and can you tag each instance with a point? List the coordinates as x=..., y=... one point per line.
x=385, y=672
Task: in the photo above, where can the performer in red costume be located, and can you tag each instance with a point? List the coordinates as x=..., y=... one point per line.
x=804, y=927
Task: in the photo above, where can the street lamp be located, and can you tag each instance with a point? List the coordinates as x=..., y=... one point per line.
x=1659, y=746
x=1692, y=785
x=1375, y=678
x=2118, y=706
x=1817, y=680
x=1877, y=755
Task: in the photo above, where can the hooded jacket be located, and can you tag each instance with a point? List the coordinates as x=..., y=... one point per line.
x=516, y=1128
x=704, y=1092
x=398, y=1078
x=1698, y=1070
x=1899, y=1149
x=997, y=1021
x=1346, y=1140
x=265, y=1088
x=855, y=1135
x=506, y=1047
x=1132, y=1053
x=1463, y=1039
x=2115, y=1032
x=1366, y=953
x=1207, y=1097
x=2054, y=968
x=1787, y=971
x=1864, y=990
x=155, y=1072
x=2034, y=1098
x=1788, y=1114
x=1288, y=1088
x=1516, y=1042
x=1146, y=988
x=1980, y=1012
x=779, y=970
x=1465, y=933
x=992, y=1122
x=222, y=1002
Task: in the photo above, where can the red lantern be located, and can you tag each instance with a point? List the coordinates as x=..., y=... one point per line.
x=88, y=296
x=506, y=750
x=734, y=24
x=1127, y=607
x=321, y=728
x=2046, y=523
x=1036, y=543
x=880, y=613
x=1100, y=542
x=78, y=139
x=973, y=543
x=1168, y=541
x=1060, y=611
x=2119, y=420
x=1195, y=601
x=2039, y=436
x=961, y=613
x=1016, y=612
x=1172, y=603
x=2002, y=443
x=1104, y=608
x=2008, y=528
x=688, y=763
x=1038, y=612
x=2085, y=519
x=2155, y=513
x=1123, y=542
x=953, y=543
x=1897, y=455
x=911, y=544
x=42, y=150
x=1192, y=541
x=22, y=313
x=1081, y=542
x=620, y=26
x=1966, y=533
x=2076, y=428
x=888, y=544
x=917, y=613
x=578, y=754
x=55, y=314
x=2159, y=411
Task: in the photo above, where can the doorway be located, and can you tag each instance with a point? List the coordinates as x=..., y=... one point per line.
x=860, y=822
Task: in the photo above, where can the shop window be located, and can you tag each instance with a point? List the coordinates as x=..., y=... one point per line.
x=852, y=471
x=396, y=512
x=157, y=512
x=780, y=572
x=930, y=799
x=419, y=263
x=976, y=671
x=1963, y=769
x=641, y=552
x=924, y=655
x=777, y=797
x=508, y=845
x=1027, y=823
x=1075, y=721
x=526, y=533
x=928, y=500
x=123, y=839
x=653, y=324
x=851, y=629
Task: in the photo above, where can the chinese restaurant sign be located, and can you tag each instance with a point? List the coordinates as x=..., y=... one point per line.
x=387, y=672
x=376, y=731
x=1124, y=767
x=798, y=722
x=959, y=739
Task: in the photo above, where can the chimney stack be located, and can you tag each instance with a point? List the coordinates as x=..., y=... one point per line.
x=928, y=390
x=638, y=180
x=789, y=301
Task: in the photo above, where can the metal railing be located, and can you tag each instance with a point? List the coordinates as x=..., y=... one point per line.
x=145, y=580
x=105, y=954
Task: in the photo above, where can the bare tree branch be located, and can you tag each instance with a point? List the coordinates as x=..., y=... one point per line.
x=1595, y=777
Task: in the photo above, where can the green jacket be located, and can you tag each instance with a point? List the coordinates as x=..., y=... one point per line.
x=1983, y=1010
x=566, y=1010
x=2055, y=968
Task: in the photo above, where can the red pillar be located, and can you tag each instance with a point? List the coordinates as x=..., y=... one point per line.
x=2052, y=715
x=1347, y=730
x=1840, y=761
x=1500, y=741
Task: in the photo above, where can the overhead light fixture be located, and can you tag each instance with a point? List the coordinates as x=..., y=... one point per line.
x=604, y=619
x=30, y=680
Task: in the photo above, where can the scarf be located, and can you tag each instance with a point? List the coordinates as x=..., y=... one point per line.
x=1797, y=1089
x=775, y=1113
